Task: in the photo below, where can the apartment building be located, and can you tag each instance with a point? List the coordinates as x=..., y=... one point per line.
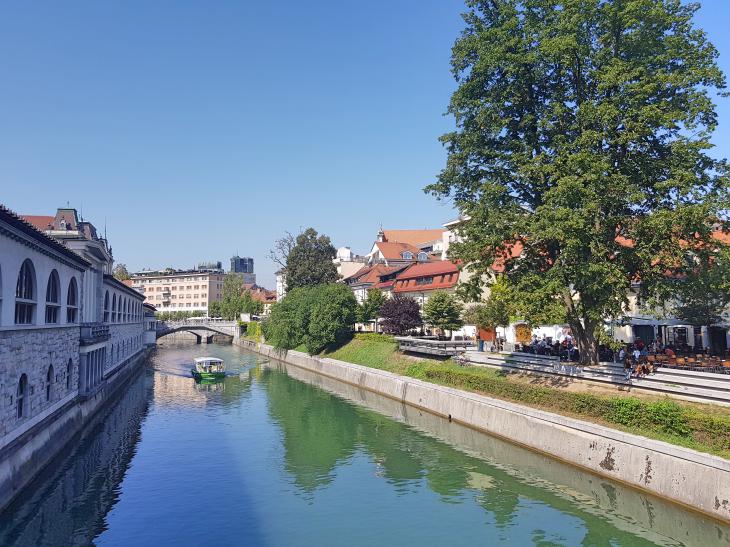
x=180, y=290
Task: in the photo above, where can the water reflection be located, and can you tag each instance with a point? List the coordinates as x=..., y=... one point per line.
x=67, y=503
x=280, y=456
x=506, y=481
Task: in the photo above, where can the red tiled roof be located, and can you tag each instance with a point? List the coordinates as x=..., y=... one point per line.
x=362, y=271
x=40, y=222
x=429, y=268
x=373, y=274
x=443, y=274
x=413, y=237
x=392, y=251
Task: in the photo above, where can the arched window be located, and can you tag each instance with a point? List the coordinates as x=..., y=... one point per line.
x=25, y=294
x=53, y=298
x=126, y=310
x=21, y=395
x=407, y=255
x=106, y=307
x=422, y=257
x=114, y=309
x=49, y=383
x=1, y=295
x=69, y=373
x=72, y=302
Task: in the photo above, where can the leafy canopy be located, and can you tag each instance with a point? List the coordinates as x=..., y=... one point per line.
x=313, y=316
x=497, y=310
x=235, y=299
x=442, y=311
x=370, y=308
x=400, y=314
x=703, y=295
x=309, y=262
x=120, y=272
x=582, y=131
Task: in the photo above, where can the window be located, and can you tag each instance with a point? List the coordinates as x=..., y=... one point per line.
x=69, y=373
x=422, y=257
x=407, y=255
x=424, y=280
x=49, y=383
x=106, y=307
x=25, y=294
x=114, y=309
x=53, y=299
x=21, y=395
x=72, y=302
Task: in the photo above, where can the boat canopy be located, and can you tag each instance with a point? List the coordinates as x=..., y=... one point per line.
x=200, y=360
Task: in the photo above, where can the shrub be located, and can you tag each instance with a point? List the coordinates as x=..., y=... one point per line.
x=665, y=416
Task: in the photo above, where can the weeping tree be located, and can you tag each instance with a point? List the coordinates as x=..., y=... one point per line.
x=579, y=160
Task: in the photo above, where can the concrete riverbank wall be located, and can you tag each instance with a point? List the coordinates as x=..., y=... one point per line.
x=26, y=456
x=694, y=479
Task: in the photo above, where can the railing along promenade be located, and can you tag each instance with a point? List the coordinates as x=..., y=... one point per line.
x=434, y=347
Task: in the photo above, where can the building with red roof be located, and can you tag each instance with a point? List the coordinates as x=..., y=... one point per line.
x=380, y=276
x=420, y=280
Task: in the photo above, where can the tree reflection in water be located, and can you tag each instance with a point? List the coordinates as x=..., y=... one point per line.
x=322, y=431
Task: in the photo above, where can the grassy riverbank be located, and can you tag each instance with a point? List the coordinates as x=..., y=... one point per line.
x=701, y=427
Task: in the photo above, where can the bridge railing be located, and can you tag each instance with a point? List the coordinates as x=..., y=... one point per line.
x=221, y=326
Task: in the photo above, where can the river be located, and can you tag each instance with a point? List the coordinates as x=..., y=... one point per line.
x=277, y=456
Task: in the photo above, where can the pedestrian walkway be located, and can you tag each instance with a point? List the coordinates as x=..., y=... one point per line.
x=681, y=384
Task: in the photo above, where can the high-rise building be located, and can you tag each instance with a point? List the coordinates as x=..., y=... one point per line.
x=243, y=266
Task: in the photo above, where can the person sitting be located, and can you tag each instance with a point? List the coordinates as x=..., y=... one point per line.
x=669, y=352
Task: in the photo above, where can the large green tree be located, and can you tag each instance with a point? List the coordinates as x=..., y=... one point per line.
x=311, y=316
x=442, y=311
x=579, y=158
x=309, y=262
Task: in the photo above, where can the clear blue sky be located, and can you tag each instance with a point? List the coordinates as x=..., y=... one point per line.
x=210, y=128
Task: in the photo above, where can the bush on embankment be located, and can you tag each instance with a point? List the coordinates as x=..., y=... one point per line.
x=253, y=330
x=665, y=418
x=700, y=427
x=313, y=317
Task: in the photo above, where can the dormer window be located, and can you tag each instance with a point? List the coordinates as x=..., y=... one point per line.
x=422, y=257
x=407, y=255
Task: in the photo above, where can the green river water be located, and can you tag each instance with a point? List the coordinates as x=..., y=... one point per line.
x=275, y=455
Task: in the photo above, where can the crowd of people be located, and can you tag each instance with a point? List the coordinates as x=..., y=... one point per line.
x=565, y=348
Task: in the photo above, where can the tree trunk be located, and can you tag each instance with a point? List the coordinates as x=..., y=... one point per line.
x=585, y=339
x=584, y=333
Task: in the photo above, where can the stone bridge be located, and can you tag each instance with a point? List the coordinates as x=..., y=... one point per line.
x=202, y=328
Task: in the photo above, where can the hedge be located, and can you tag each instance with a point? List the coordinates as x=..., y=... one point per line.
x=665, y=416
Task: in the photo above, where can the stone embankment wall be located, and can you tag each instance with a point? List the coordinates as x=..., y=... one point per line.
x=24, y=457
x=697, y=480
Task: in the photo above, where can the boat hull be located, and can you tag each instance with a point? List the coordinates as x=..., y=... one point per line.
x=207, y=375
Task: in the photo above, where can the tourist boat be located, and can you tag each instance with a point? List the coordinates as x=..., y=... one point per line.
x=208, y=368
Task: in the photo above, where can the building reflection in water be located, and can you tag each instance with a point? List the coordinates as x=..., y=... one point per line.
x=67, y=503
